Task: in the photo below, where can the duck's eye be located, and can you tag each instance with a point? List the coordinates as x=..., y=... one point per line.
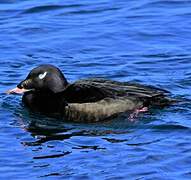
x=42, y=76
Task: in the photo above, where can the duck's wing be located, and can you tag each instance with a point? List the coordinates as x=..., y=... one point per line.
x=92, y=90
x=149, y=95
x=84, y=92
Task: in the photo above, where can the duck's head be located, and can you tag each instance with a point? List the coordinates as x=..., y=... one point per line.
x=45, y=78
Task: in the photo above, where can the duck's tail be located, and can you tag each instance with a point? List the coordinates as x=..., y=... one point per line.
x=160, y=101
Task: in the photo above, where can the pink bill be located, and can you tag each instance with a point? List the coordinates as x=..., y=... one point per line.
x=16, y=91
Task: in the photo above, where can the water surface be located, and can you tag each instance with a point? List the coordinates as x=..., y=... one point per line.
x=147, y=41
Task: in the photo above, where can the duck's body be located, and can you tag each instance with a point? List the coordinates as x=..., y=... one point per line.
x=90, y=100
x=99, y=99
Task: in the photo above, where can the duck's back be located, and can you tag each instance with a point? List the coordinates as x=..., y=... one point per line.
x=93, y=90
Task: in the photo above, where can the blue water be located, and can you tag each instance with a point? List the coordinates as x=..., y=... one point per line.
x=148, y=41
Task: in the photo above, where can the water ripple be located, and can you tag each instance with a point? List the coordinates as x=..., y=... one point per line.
x=52, y=156
x=39, y=9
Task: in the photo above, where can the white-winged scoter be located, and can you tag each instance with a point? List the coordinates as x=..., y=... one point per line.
x=46, y=90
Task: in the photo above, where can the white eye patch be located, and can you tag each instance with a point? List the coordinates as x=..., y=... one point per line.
x=42, y=76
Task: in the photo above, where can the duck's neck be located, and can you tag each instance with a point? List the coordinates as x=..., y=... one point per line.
x=47, y=102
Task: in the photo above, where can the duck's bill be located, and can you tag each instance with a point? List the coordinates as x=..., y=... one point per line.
x=17, y=91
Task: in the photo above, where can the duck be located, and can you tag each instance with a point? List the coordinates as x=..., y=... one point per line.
x=46, y=90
